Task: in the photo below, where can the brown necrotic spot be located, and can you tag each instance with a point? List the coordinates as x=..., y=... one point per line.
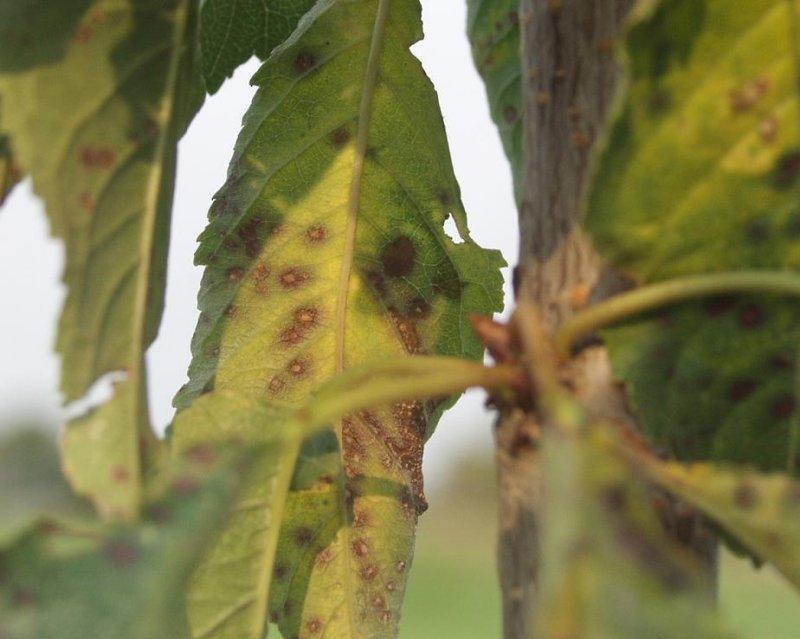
x=340, y=137
x=510, y=114
x=369, y=572
x=757, y=231
x=306, y=317
x=120, y=475
x=276, y=384
x=783, y=407
x=280, y=571
x=786, y=170
x=398, y=256
x=121, y=554
x=741, y=389
x=304, y=62
x=298, y=367
x=292, y=278
x=291, y=336
x=716, y=306
x=360, y=548
x=23, y=598
x=400, y=566
x=316, y=234
x=419, y=308
x=781, y=362
x=231, y=311
x=378, y=601
x=303, y=536
x=235, y=274
x=391, y=586
x=745, y=496
x=751, y=316
x=98, y=157
x=314, y=626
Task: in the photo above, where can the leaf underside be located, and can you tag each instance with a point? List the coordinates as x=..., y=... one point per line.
x=700, y=175
x=231, y=31
x=78, y=579
x=94, y=113
x=493, y=29
x=273, y=324
x=608, y=569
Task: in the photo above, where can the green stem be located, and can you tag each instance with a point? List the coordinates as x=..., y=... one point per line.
x=658, y=295
x=397, y=380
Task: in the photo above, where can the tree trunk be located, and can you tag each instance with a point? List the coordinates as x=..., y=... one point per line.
x=569, y=82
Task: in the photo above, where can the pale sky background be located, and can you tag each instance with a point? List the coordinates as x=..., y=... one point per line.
x=31, y=261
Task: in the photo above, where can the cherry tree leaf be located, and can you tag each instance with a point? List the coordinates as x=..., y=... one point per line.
x=77, y=579
x=95, y=109
x=700, y=175
x=493, y=28
x=31, y=484
x=326, y=250
x=762, y=511
x=231, y=31
x=608, y=568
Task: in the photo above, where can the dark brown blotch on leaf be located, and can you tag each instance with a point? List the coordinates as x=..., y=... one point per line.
x=314, y=626
x=783, y=407
x=121, y=554
x=340, y=137
x=304, y=62
x=235, y=274
x=292, y=278
x=303, y=536
x=741, y=389
x=786, y=170
x=745, y=496
x=751, y=317
x=317, y=234
x=398, y=256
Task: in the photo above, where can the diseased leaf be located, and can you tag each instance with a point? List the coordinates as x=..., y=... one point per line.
x=701, y=175
x=31, y=484
x=493, y=28
x=761, y=511
x=608, y=568
x=326, y=250
x=228, y=594
x=79, y=580
x=231, y=31
x=95, y=113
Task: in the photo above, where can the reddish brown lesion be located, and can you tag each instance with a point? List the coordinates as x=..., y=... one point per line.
x=293, y=277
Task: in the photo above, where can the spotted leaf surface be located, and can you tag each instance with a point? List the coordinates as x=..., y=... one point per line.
x=228, y=594
x=76, y=580
x=231, y=31
x=493, y=28
x=700, y=175
x=761, y=511
x=31, y=484
x=326, y=250
x=95, y=109
x=609, y=570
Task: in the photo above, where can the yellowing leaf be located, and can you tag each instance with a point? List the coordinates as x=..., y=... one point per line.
x=95, y=109
x=326, y=250
x=700, y=175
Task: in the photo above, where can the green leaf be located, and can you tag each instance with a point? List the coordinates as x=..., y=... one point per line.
x=231, y=31
x=761, y=511
x=701, y=175
x=608, y=568
x=95, y=113
x=78, y=580
x=31, y=484
x=493, y=28
x=326, y=250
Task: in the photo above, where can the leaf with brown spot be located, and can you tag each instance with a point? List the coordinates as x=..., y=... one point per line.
x=81, y=578
x=761, y=511
x=100, y=148
x=609, y=569
x=688, y=184
x=360, y=270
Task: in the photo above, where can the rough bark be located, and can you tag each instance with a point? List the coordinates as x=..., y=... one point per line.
x=569, y=84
